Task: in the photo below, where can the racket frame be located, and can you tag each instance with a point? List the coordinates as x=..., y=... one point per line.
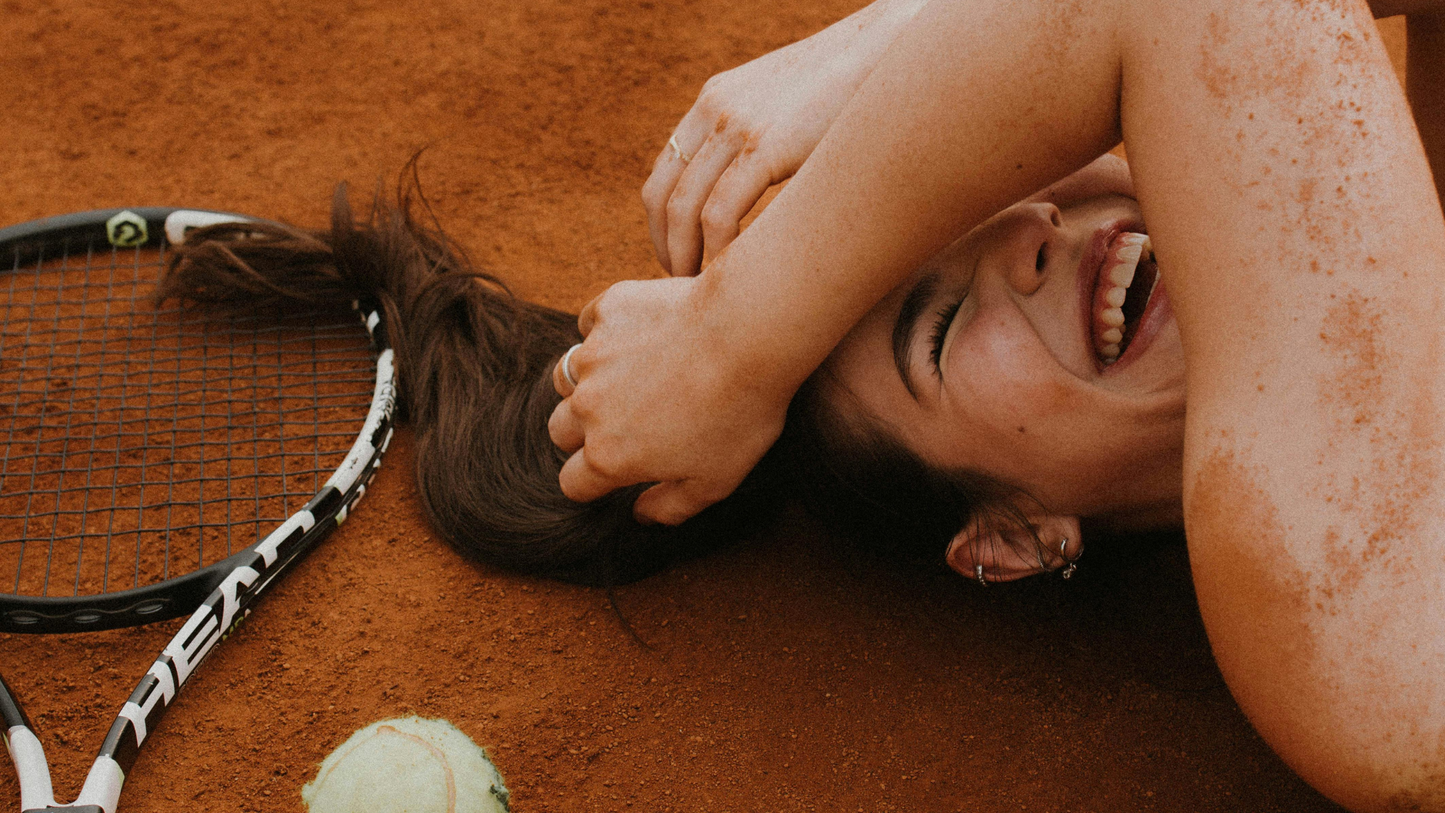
x=225, y=591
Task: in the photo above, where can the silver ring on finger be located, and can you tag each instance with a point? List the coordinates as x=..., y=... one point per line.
x=566, y=366
x=676, y=150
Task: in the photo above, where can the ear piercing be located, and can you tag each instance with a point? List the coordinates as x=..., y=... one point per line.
x=1067, y=571
x=1070, y=567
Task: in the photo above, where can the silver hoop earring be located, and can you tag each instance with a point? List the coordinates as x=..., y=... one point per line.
x=1069, y=568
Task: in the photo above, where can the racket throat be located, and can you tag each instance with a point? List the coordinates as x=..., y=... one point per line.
x=102, y=785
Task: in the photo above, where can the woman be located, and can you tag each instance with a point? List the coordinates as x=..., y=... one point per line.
x=1290, y=209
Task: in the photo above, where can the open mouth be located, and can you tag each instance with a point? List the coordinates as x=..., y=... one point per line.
x=1121, y=295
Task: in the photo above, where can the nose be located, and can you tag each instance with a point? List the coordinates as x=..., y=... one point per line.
x=1031, y=236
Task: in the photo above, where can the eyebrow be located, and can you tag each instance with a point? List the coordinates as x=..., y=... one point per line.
x=913, y=306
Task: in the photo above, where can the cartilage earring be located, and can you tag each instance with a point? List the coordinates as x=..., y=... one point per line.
x=978, y=574
x=1069, y=568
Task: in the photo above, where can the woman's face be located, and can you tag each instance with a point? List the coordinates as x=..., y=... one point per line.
x=997, y=356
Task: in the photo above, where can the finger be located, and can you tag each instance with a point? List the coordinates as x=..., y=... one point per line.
x=582, y=482
x=673, y=502
x=591, y=313
x=656, y=190
x=560, y=383
x=587, y=318
x=561, y=371
x=684, y=208
x=737, y=191
x=564, y=428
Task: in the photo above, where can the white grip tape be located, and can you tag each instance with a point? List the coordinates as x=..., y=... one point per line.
x=29, y=758
x=102, y=786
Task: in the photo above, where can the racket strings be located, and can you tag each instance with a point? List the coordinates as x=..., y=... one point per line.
x=141, y=443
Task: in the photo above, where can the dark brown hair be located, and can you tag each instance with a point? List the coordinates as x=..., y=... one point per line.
x=474, y=366
x=867, y=487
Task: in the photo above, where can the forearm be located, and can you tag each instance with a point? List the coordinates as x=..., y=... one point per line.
x=901, y=173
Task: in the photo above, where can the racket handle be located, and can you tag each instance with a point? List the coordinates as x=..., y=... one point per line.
x=28, y=757
x=26, y=754
x=37, y=795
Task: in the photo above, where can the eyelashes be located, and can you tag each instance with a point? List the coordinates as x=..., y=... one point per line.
x=941, y=322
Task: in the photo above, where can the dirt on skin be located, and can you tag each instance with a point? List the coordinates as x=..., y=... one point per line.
x=776, y=676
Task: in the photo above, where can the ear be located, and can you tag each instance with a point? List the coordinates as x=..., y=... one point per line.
x=1012, y=553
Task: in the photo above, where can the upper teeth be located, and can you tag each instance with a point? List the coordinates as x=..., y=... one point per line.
x=1132, y=247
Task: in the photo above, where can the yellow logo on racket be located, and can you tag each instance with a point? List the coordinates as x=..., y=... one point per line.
x=126, y=230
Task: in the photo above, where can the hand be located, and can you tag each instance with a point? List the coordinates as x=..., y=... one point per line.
x=661, y=396
x=752, y=127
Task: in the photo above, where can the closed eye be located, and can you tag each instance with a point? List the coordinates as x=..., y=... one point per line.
x=941, y=323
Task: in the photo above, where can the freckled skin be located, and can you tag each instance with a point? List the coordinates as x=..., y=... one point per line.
x=1340, y=451
x=1404, y=471
x=1268, y=594
x=1349, y=335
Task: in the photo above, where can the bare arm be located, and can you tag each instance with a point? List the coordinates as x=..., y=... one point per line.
x=1306, y=269
x=753, y=126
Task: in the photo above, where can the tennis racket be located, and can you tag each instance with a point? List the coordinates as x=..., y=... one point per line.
x=161, y=459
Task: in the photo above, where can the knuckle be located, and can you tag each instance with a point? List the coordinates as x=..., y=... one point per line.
x=604, y=462
x=715, y=221
x=713, y=93
x=571, y=489
x=742, y=131
x=605, y=302
x=679, y=207
x=754, y=140
x=580, y=405
x=623, y=290
x=654, y=194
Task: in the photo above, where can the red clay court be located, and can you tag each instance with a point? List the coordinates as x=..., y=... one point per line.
x=779, y=675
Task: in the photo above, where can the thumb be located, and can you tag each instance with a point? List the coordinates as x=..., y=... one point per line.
x=675, y=501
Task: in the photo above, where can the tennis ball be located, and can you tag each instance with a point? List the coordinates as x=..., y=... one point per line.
x=407, y=765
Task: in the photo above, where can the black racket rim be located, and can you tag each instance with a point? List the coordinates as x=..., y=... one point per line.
x=156, y=227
